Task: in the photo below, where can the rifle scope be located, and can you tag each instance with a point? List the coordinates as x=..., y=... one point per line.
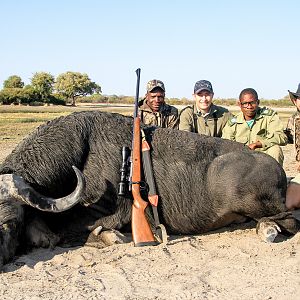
x=124, y=172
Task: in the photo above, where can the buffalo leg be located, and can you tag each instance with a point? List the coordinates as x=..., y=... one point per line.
x=38, y=234
x=11, y=226
x=101, y=238
x=117, y=220
x=268, y=227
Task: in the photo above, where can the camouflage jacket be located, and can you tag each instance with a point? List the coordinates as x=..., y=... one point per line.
x=290, y=127
x=167, y=117
x=211, y=124
x=267, y=128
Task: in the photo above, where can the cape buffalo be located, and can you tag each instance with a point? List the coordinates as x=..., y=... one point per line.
x=203, y=183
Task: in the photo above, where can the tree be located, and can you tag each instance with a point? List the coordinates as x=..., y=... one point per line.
x=74, y=84
x=43, y=83
x=24, y=95
x=13, y=81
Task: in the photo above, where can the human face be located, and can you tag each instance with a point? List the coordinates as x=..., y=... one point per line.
x=297, y=103
x=249, y=105
x=155, y=99
x=203, y=100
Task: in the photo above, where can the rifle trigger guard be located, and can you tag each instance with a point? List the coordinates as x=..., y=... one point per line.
x=143, y=184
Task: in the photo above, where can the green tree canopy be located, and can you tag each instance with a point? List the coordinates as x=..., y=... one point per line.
x=24, y=95
x=13, y=81
x=74, y=84
x=43, y=83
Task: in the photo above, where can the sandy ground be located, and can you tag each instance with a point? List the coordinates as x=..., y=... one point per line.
x=231, y=263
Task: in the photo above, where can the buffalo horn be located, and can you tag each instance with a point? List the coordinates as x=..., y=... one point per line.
x=15, y=187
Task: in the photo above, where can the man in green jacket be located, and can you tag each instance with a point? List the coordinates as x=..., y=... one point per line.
x=258, y=128
x=153, y=109
x=204, y=117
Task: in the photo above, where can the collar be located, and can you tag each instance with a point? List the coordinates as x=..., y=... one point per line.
x=146, y=107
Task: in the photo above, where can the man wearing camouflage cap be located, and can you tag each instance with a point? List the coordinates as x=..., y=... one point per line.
x=153, y=109
x=204, y=117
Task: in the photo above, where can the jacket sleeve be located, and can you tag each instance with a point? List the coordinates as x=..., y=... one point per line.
x=173, y=120
x=289, y=130
x=186, y=120
x=275, y=134
x=228, y=131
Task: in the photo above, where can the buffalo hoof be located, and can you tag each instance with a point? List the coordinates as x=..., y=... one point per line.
x=111, y=237
x=267, y=231
x=106, y=237
x=39, y=235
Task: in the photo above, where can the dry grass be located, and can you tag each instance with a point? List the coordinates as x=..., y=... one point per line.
x=17, y=121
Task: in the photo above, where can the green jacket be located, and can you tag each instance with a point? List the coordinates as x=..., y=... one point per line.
x=167, y=117
x=267, y=128
x=211, y=124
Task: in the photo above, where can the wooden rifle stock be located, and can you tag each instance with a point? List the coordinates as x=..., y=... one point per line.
x=141, y=232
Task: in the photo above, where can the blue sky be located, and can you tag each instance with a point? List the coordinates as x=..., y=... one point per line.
x=235, y=43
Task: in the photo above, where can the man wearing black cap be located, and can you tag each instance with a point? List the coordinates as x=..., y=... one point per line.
x=204, y=117
x=153, y=109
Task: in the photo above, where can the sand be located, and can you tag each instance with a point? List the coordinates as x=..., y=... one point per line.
x=231, y=263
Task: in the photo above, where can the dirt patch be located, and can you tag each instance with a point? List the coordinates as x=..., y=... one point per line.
x=6, y=148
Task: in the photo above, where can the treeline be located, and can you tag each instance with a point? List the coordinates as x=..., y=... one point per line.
x=45, y=89
x=72, y=87
x=114, y=99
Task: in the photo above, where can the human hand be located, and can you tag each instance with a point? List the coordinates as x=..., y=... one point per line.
x=255, y=145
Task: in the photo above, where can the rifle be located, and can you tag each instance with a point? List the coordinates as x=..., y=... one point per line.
x=141, y=232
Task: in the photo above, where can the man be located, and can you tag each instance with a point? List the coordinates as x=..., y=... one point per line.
x=153, y=109
x=259, y=128
x=293, y=191
x=204, y=117
x=290, y=128
x=293, y=137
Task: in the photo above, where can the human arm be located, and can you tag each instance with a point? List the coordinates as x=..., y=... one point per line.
x=229, y=131
x=289, y=130
x=272, y=133
x=173, y=119
x=186, y=121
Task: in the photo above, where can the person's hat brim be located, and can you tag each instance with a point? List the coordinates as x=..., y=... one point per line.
x=293, y=96
x=203, y=89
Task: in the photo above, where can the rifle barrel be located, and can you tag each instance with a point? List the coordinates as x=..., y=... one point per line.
x=136, y=102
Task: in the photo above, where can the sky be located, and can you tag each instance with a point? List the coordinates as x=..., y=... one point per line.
x=235, y=44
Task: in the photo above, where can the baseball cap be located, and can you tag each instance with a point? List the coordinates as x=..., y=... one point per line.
x=202, y=85
x=154, y=83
